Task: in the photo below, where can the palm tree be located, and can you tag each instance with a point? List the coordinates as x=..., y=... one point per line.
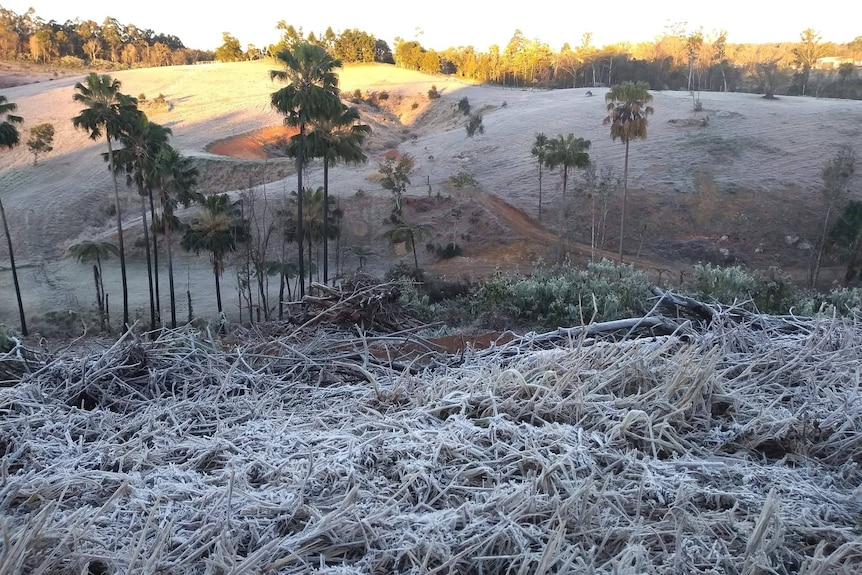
x=142, y=141
x=218, y=231
x=335, y=138
x=567, y=152
x=312, y=93
x=313, y=220
x=107, y=111
x=402, y=232
x=9, y=138
x=94, y=251
x=628, y=109
x=538, y=150
x=175, y=177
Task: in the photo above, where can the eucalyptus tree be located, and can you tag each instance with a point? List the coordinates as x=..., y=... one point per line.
x=628, y=113
x=107, y=112
x=311, y=94
x=9, y=138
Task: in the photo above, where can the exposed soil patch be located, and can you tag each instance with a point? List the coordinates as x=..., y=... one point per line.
x=255, y=145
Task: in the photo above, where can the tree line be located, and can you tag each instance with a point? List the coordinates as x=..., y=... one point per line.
x=76, y=42
x=349, y=46
x=677, y=59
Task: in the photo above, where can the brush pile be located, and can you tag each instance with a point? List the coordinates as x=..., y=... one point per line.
x=729, y=446
x=360, y=301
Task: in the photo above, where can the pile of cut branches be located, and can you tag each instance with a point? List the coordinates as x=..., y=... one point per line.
x=361, y=302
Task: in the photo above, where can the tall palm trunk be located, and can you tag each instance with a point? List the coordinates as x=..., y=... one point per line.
x=155, y=256
x=120, y=235
x=325, y=220
x=171, y=277
x=300, y=152
x=14, y=272
x=216, y=273
x=99, y=301
x=540, y=191
x=625, y=197
x=149, y=262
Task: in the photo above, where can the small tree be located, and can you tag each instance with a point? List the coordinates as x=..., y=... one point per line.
x=230, y=50
x=836, y=175
x=474, y=124
x=408, y=234
x=770, y=76
x=464, y=106
x=41, y=140
x=395, y=171
x=845, y=237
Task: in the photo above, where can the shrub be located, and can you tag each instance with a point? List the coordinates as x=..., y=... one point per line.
x=565, y=295
x=464, y=106
x=474, y=124
x=433, y=94
x=71, y=62
x=462, y=179
x=765, y=291
x=449, y=251
x=402, y=271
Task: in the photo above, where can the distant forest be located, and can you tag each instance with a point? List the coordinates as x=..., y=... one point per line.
x=678, y=59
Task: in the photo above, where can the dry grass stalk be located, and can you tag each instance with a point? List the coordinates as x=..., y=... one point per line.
x=733, y=449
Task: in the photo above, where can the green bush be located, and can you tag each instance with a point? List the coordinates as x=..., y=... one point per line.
x=464, y=106
x=433, y=94
x=462, y=179
x=764, y=291
x=565, y=295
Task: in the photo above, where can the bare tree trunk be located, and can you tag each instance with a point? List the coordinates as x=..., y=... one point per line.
x=815, y=271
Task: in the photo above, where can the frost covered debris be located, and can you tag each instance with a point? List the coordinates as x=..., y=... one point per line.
x=735, y=450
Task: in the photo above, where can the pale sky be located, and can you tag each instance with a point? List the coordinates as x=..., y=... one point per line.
x=439, y=24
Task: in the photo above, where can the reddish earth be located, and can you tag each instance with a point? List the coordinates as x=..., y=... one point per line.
x=252, y=145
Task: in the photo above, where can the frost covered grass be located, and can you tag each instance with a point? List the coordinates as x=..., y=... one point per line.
x=728, y=449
